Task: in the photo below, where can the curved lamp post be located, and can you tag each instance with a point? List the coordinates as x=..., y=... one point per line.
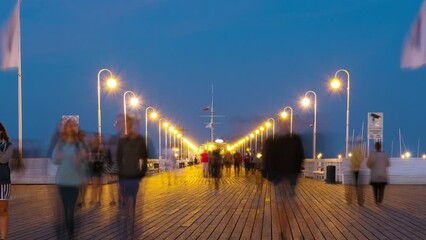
x=273, y=126
x=335, y=84
x=111, y=83
x=306, y=102
x=154, y=115
x=159, y=136
x=285, y=115
x=134, y=101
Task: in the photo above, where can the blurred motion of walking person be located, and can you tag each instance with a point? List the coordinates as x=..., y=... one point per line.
x=99, y=155
x=228, y=162
x=253, y=161
x=111, y=166
x=215, y=160
x=132, y=158
x=205, y=163
x=247, y=162
x=378, y=162
x=85, y=168
x=356, y=159
x=237, y=163
x=282, y=158
x=69, y=153
x=5, y=158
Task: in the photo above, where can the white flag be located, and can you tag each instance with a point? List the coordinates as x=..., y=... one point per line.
x=414, y=52
x=209, y=125
x=10, y=38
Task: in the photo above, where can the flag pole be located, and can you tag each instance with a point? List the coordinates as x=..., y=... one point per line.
x=20, y=84
x=212, y=118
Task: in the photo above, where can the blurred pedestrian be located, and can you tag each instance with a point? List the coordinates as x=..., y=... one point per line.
x=5, y=183
x=99, y=155
x=215, y=160
x=282, y=158
x=237, y=163
x=357, y=157
x=132, y=158
x=69, y=154
x=378, y=162
x=253, y=161
x=228, y=162
x=85, y=168
x=205, y=163
x=111, y=166
x=247, y=161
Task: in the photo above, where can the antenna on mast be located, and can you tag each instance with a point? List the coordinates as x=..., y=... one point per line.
x=212, y=116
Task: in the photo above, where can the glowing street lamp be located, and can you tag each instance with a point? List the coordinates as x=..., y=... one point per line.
x=335, y=84
x=285, y=115
x=171, y=129
x=273, y=126
x=153, y=116
x=165, y=124
x=133, y=102
x=111, y=84
x=306, y=103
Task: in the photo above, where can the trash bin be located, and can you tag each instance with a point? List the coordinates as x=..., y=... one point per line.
x=331, y=174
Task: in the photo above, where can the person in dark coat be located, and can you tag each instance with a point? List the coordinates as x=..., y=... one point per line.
x=215, y=160
x=282, y=159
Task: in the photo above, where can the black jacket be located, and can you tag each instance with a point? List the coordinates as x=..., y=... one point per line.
x=282, y=157
x=132, y=157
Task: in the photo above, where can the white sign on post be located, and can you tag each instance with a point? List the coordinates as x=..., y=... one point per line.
x=375, y=125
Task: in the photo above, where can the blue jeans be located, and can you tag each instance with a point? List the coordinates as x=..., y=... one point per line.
x=129, y=188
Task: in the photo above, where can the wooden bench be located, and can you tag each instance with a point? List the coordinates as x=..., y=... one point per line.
x=318, y=175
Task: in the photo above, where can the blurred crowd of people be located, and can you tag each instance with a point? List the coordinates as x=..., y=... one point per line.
x=85, y=159
x=88, y=162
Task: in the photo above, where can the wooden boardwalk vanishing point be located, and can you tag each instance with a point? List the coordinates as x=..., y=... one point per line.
x=184, y=205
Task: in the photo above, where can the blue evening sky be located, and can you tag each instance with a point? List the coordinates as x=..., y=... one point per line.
x=261, y=56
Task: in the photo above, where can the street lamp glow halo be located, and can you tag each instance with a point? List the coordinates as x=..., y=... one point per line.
x=154, y=115
x=335, y=83
x=134, y=101
x=284, y=115
x=306, y=102
x=111, y=83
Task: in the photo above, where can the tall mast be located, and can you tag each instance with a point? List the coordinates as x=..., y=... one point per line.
x=212, y=117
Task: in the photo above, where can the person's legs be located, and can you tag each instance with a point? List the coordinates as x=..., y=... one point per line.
x=381, y=191
x=69, y=197
x=121, y=192
x=130, y=188
x=358, y=188
x=96, y=190
x=4, y=218
x=110, y=183
x=82, y=195
x=376, y=192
